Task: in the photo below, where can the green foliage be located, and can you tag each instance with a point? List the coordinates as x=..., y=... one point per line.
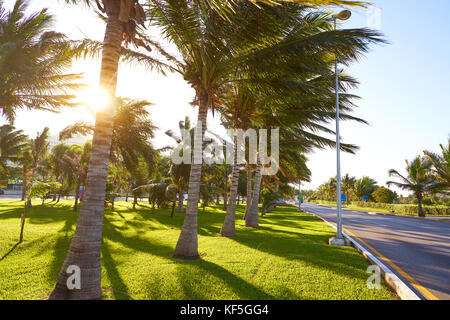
x=365, y=187
x=12, y=144
x=32, y=62
x=41, y=189
x=137, y=250
x=405, y=209
x=441, y=169
x=384, y=195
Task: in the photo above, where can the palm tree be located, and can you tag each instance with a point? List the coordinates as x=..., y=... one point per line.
x=441, y=168
x=212, y=51
x=364, y=187
x=74, y=164
x=57, y=165
x=348, y=184
x=179, y=173
x=38, y=151
x=32, y=156
x=12, y=144
x=32, y=61
x=419, y=181
x=121, y=21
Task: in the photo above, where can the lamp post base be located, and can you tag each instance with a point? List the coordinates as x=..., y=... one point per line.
x=340, y=242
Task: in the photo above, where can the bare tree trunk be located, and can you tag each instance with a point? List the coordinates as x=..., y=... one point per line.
x=187, y=245
x=229, y=227
x=84, y=251
x=126, y=197
x=135, y=202
x=180, y=208
x=217, y=200
x=249, y=190
x=251, y=220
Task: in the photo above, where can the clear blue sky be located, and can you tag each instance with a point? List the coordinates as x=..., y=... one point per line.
x=404, y=88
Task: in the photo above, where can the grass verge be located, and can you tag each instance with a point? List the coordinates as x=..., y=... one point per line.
x=287, y=257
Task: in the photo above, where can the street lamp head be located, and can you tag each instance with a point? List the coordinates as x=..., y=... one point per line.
x=343, y=15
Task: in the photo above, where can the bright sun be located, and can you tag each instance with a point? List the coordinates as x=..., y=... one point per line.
x=94, y=98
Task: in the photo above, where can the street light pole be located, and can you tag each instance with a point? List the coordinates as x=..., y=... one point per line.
x=339, y=240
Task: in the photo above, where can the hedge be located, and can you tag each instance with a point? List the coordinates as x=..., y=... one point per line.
x=410, y=209
x=405, y=208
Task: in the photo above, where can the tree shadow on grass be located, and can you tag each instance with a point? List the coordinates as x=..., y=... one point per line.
x=9, y=252
x=196, y=269
x=191, y=276
x=61, y=245
x=119, y=288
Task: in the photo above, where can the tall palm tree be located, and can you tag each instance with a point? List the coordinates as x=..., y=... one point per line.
x=37, y=150
x=419, y=181
x=212, y=51
x=32, y=62
x=441, y=168
x=122, y=19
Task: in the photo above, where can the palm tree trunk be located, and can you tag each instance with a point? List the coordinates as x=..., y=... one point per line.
x=187, y=245
x=251, y=220
x=22, y=222
x=180, y=208
x=24, y=183
x=225, y=201
x=84, y=250
x=174, y=202
x=228, y=228
x=419, y=203
x=249, y=190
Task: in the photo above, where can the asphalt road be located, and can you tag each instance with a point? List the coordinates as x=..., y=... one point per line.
x=420, y=248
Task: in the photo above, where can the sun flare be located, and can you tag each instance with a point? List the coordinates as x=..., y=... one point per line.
x=94, y=98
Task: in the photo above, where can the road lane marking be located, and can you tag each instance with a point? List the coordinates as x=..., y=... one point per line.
x=416, y=284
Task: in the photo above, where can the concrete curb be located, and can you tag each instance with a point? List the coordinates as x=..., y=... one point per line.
x=399, y=287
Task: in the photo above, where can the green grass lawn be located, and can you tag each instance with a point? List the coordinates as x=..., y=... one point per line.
x=287, y=257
